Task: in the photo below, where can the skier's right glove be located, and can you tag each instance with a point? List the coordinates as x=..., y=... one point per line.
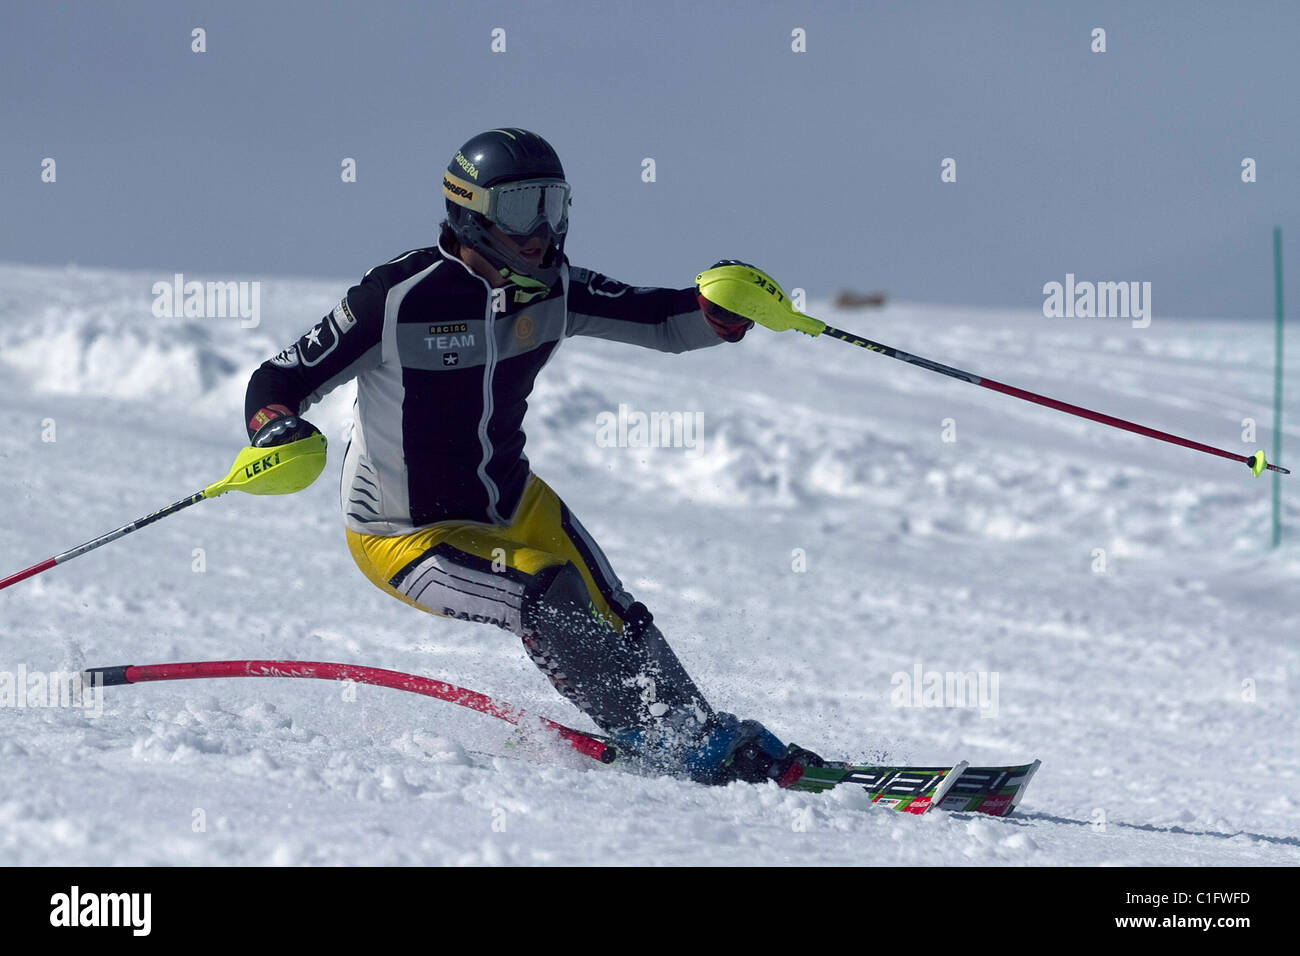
x=283, y=430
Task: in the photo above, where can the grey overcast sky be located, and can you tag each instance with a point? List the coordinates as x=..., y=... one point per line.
x=822, y=167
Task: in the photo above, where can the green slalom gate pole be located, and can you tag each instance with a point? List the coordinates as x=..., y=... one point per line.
x=1277, y=381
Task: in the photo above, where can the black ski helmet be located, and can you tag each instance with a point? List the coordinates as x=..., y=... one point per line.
x=494, y=158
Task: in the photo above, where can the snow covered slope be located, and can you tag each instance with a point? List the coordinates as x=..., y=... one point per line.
x=1161, y=692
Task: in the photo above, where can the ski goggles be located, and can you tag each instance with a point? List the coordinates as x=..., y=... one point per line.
x=519, y=208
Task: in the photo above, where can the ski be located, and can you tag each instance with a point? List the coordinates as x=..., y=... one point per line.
x=957, y=789
x=991, y=790
x=906, y=789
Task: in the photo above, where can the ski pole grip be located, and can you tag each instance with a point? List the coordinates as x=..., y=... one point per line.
x=752, y=293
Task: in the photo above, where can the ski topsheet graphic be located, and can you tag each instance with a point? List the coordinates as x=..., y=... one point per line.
x=960, y=788
x=993, y=790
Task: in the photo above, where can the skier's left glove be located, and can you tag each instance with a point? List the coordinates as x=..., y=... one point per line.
x=729, y=326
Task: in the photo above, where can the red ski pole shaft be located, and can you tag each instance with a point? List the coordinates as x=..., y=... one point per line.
x=99, y=542
x=585, y=744
x=1251, y=460
x=277, y=470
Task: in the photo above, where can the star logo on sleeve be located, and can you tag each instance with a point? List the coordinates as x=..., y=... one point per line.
x=318, y=342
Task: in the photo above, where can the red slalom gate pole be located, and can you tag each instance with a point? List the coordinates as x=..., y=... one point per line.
x=586, y=744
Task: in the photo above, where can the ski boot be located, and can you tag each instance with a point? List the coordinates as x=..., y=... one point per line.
x=725, y=749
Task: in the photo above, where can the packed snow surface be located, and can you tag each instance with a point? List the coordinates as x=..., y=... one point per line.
x=844, y=522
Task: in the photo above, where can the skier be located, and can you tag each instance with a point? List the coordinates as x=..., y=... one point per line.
x=442, y=509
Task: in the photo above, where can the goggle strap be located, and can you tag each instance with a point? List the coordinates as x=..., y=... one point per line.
x=466, y=194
